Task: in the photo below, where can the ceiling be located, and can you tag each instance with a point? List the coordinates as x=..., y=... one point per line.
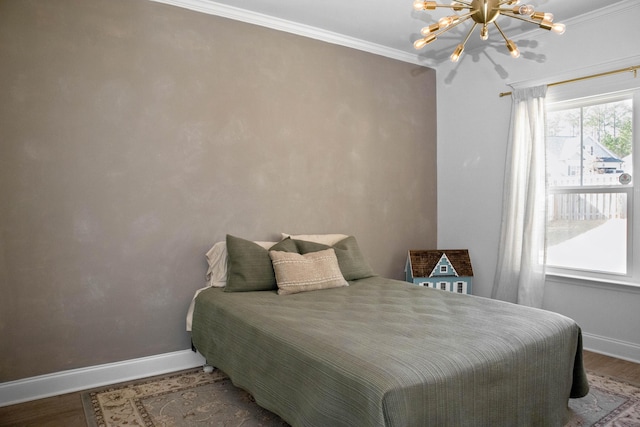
x=388, y=27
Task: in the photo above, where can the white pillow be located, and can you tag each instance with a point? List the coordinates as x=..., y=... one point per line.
x=217, y=258
x=325, y=239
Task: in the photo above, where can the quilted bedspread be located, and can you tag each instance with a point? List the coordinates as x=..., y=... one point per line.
x=387, y=353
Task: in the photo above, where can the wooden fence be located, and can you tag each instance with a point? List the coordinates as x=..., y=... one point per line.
x=586, y=206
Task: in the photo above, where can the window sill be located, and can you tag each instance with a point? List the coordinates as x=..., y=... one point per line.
x=596, y=282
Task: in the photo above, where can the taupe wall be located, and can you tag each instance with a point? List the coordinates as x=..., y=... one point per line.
x=134, y=135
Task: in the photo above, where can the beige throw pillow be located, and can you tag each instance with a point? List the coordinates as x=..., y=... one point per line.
x=309, y=272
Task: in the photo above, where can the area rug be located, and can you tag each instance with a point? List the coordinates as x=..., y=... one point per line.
x=196, y=398
x=609, y=403
x=188, y=398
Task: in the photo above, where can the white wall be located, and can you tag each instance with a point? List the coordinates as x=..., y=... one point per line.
x=473, y=124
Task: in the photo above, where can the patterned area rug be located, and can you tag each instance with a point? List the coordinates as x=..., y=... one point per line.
x=196, y=398
x=609, y=403
x=188, y=398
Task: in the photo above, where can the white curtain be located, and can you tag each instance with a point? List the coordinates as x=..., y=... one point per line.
x=521, y=257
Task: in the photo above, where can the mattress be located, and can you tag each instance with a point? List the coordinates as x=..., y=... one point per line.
x=382, y=352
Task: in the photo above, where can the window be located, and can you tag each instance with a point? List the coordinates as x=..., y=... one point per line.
x=590, y=171
x=444, y=269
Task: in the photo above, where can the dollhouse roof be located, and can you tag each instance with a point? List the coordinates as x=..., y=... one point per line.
x=423, y=262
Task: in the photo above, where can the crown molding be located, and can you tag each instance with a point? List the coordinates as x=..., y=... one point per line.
x=595, y=68
x=255, y=18
x=243, y=15
x=595, y=15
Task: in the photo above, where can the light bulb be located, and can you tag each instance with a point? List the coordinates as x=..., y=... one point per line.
x=445, y=21
x=420, y=43
x=424, y=5
x=419, y=5
x=556, y=28
x=484, y=33
x=456, y=6
x=525, y=9
x=513, y=49
x=548, y=17
x=430, y=29
x=456, y=53
x=559, y=28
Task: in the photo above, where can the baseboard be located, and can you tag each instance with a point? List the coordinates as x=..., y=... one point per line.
x=111, y=373
x=611, y=347
x=96, y=376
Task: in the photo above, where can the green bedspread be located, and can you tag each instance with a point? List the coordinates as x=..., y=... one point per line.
x=388, y=353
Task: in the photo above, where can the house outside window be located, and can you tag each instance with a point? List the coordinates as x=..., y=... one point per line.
x=590, y=185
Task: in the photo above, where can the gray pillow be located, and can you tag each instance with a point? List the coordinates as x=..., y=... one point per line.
x=249, y=266
x=352, y=263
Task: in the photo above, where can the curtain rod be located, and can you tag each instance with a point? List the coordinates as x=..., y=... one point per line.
x=632, y=69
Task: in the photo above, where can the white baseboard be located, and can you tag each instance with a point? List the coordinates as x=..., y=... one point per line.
x=70, y=381
x=611, y=347
x=63, y=382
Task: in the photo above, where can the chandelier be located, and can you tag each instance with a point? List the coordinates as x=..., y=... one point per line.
x=482, y=12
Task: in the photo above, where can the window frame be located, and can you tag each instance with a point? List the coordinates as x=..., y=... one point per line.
x=570, y=100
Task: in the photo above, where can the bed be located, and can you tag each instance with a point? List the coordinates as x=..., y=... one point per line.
x=380, y=352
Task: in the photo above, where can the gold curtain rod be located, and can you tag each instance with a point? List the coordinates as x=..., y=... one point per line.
x=633, y=69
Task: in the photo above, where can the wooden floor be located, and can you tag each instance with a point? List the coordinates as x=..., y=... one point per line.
x=615, y=368
x=66, y=410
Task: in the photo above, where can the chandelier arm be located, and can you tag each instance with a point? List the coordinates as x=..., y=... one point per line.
x=544, y=24
x=510, y=15
x=455, y=56
x=466, y=17
x=466, y=39
x=501, y=32
x=450, y=6
x=503, y=10
x=513, y=49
